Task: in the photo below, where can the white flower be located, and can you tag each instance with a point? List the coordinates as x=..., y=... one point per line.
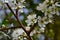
x=31, y=34
x=28, y=22
x=6, y=1
x=21, y=10
x=48, y=10
x=50, y=15
x=33, y=16
x=25, y=38
x=42, y=22
x=50, y=21
x=16, y=33
x=20, y=5
x=31, y=19
x=42, y=6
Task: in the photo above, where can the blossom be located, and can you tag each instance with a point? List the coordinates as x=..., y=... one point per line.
x=6, y=1
x=16, y=33
x=42, y=7
x=31, y=19
x=42, y=22
x=21, y=10
x=47, y=9
x=20, y=5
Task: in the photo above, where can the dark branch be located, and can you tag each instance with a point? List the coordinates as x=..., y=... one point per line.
x=21, y=25
x=10, y=8
x=3, y=29
x=32, y=28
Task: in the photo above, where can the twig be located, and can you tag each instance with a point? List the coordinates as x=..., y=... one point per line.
x=3, y=29
x=17, y=7
x=10, y=8
x=17, y=1
x=32, y=28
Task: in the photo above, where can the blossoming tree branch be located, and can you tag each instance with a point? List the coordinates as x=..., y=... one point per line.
x=48, y=9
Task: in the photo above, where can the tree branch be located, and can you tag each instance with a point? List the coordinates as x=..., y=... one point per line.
x=32, y=28
x=10, y=8
x=2, y=29
x=21, y=25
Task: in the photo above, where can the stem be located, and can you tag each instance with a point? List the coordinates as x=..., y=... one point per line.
x=17, y=8
x=32, y=28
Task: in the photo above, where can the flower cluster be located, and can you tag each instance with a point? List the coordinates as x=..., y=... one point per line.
x=16, y=33
x=19, y=34
x=43, y=21
x=14, y=5
x=49, y=8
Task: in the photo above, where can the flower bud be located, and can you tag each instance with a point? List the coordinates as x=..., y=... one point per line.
x=27, y=28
